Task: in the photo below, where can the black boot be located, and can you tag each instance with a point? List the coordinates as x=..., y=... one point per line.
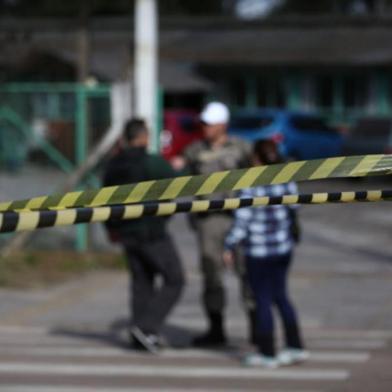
x=252, y=326
x=293, y=336
x=266, y=344
x=215, y=336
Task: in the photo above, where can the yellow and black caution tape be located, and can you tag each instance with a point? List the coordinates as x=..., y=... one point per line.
x=30, y=220
x=169, y=189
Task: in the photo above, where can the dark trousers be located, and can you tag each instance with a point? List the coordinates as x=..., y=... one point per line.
x=268, y=280
x=212, y=230
x=151, y=300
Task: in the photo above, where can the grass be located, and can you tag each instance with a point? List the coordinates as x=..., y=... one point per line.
x=42, y=268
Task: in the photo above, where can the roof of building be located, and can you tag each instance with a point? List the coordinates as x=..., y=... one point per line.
x=285, y=41
x=294, y=41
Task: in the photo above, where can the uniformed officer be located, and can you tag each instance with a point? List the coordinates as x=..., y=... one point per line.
x=217, y=151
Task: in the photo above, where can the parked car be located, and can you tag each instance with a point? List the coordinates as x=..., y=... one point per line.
x=181, y=127
x=370, y=135
x=299, y=135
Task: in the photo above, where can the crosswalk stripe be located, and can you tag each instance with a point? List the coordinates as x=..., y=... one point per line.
x=232, y=324
x=62, y=341
x=60, y=388
x=348, y=344
x=18, y=329
x=350, y=357
x=314, y=333
x=226, y=373
x=349, y=334
x=102, y=352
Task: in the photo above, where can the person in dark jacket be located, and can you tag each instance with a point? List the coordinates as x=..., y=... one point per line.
x=149, y=249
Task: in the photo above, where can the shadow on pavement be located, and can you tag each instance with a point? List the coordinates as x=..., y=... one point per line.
x=118, y=334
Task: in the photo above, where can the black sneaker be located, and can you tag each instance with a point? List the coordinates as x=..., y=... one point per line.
x=210, y=339
x=145, y=342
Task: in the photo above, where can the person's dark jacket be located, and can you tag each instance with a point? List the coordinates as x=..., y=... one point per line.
x=134, y=165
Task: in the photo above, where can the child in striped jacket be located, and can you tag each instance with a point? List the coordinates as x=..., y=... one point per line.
x=268, y=235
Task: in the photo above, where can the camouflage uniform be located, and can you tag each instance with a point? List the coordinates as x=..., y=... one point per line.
x=212, y=227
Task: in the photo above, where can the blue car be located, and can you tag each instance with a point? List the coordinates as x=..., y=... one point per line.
x=299, y=135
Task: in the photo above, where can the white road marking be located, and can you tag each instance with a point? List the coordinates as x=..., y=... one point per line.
x=176, y=371
x=337, y=356
x=311, y=332
x=59, y=388
x=18, y=329
x=104, y=352
x=361, y=344
x=349, y=333
x=233, y=324
x=58, y=339
x=6, y=330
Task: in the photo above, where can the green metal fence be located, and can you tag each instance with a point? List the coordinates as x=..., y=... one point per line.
x=58, y=120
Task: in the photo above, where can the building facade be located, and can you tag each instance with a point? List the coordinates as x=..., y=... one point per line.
x=338, y=66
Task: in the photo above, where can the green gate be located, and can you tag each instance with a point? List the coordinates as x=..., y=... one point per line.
x=60, y=120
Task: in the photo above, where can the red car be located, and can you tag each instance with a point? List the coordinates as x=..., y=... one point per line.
x=180, y=128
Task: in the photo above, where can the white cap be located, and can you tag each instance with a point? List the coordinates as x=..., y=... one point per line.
x=215, y=113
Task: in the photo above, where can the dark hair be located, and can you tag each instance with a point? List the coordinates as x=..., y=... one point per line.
x=133, y=128
x=267, y=152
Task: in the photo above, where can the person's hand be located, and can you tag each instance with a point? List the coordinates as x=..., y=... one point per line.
x=295, y=226
x=178, y=163
x=228, y=258
x=296, y=233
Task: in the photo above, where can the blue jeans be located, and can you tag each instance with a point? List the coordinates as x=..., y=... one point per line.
x=268, y=280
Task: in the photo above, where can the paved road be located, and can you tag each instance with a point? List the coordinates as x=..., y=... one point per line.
x=71, y=337
x=38, y=360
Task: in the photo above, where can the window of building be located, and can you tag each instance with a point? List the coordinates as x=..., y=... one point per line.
x=238, y=92
x=271, y=92
x=355, y=91
x=311, y=123
x=262, y=93
x=324, y=86
x=251, y=122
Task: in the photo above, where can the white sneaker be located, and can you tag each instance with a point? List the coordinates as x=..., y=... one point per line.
x=144, y=341
x=290, y=356
x=259, y=360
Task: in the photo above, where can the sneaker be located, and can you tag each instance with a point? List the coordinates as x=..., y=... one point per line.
x=161, y=341
x=289, y=356
x=259, y=360
x=143, y=341
x=210, y=339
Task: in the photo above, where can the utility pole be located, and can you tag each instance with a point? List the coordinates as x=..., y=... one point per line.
x=145, y=66
x=81, y=120
x=82, y=41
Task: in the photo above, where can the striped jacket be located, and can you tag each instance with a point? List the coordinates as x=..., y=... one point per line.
x=263, y=231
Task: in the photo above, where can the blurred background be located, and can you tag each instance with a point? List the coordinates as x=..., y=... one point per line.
x=314, y=76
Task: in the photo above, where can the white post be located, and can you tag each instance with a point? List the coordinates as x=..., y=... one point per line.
x=146, y=84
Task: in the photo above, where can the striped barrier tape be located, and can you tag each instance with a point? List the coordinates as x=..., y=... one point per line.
x=31, y=220
x=168, y=189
